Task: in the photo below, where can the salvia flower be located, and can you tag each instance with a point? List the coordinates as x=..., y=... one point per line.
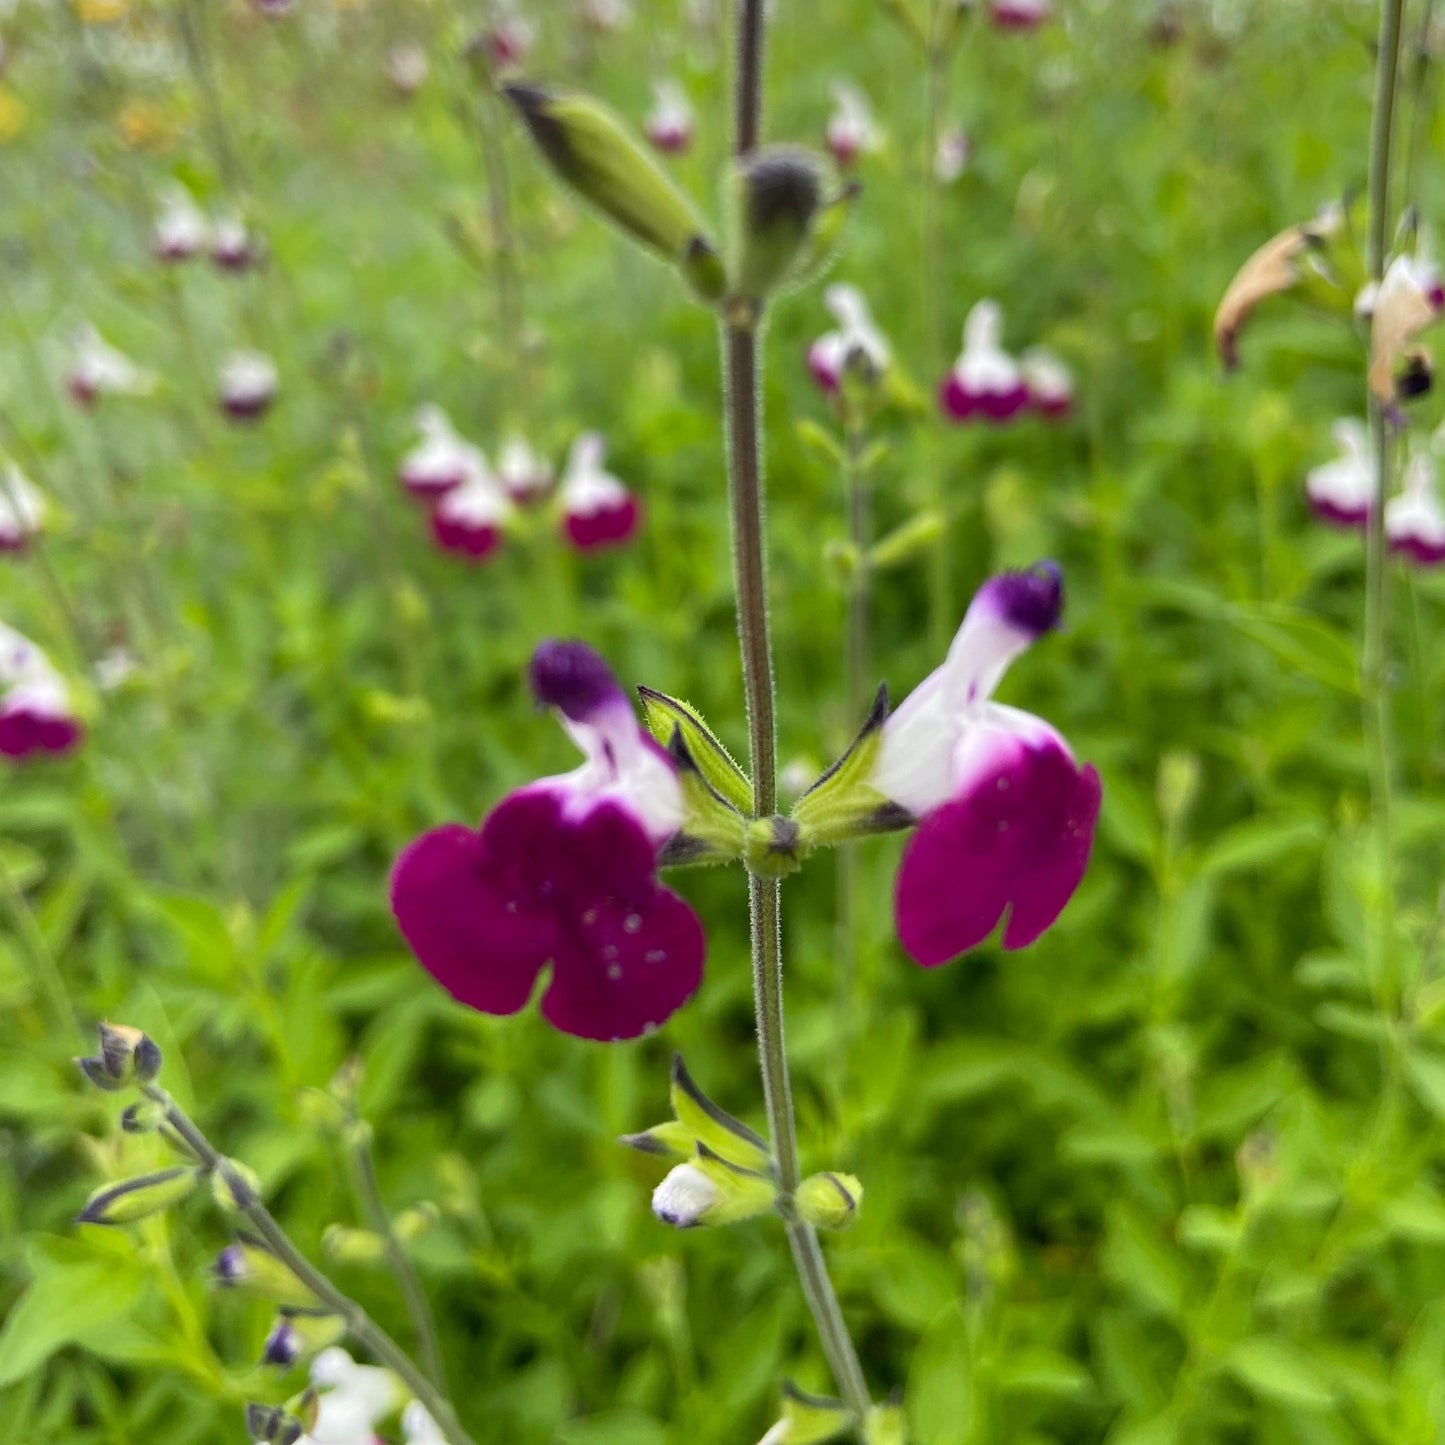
x=441, y=460
x=36, y=712
x=469, y=519
x=353, y=1398
x=855, y=333
x=684, y=1196
x=597, y=510
x=1006, y=815
x=1414, y=518
x=22, y=510
x=850, y=131
x=418, y=1427
x=986, y=382
x=249, y=382
x=523, y=474
x=1344, y=490
x=509, y=37
x=563, y=872
x=407, y=68
x=98, y=370
x=952, y=155
x=1410, y=298
x=1050, y=383
x=670, y=124
x=1019, y=14
x=233, y=248
x=182, y=230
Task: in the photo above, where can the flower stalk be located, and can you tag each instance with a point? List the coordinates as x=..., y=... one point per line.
x=745, y=486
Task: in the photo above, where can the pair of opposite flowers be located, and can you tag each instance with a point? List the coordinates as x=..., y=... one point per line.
x=563, y=871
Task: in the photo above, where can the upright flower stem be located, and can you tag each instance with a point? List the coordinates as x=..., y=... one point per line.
x=1373, y=679
x=745, y=487
x=359, y=1324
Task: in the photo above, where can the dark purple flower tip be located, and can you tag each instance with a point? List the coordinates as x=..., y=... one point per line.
x=486, y=912
x=606, y=527
x=230, y=1266
x=245, y=407
x=1016, y=841
x=1419, y=551
x=571, y=677
x=1031, y=600
x=960, y=403
x=24, y=733
x=474, y=541
x=283, y=1345
x=1339, y=514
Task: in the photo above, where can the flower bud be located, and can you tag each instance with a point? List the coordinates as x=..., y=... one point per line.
x=127, y=1056
x=134, y=1199
x=235, y=1186
x=808, y=1419
x=708, y=1191
x=272, y=1425
x=347, y=1245
x=828, y=1201
x=297, y=1334
x=248, y=1265
x=142, y=1117
x=415, y=1220
x=595, y=154
x=770, y=848
x=778, y=193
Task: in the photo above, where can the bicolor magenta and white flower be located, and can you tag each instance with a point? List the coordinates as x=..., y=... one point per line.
x=469, y=520
x=441, y=460
x=1344, y=490
x=670, y=124
x=855, y=333
x=1414, y=517
x=986, y=383
x=1019, y=14
x=1410, y=299
x=525, y=476
x=248, y=385
x=952, y=155
x=850, y=131
x=509, y=36
x=182, y=230
x=233, y=248
x=562, y=876
x=37, y=714
x=97, y=369
x=597, y=509
x=418, y=1427
x=22, y=510
x=1005, y=814
x=1050, y=383
x=352, y=1399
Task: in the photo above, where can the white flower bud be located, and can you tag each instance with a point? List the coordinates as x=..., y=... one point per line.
x=684, y=1196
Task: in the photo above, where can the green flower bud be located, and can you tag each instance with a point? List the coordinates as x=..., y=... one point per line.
x=347, y=1245
x=416, y=1220
x=828, y=1201
x=597, y=156
x=708, y=1191
x=235, y=1186
x=918, y=534
x=885, y=1424
x=297, y=1334
x=714, y=1129
x=142, y=1117
x=134, y=1199
x=127, y=1057
x=272, y=1425
x=808, y=1419
x=248, y=1265
x=778, y=191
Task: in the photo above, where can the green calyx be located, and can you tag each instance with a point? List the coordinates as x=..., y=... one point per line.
x=699, y=1124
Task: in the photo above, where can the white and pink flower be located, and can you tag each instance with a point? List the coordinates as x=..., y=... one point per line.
x=670, y=124
x=855, y=335
x=986, y=383
x=351, y=1399
x=597, y=510
x=952, y=155
x=248, y=385
x=525, y=476
x=98, y=370
x=407, y=68
x=441, y=460
x=1414, y=517
x=182, y=230
x=469, y=520
x=233, y=248
x=22, y=510
x=1050, y=383
x=1019, y=14
x=563, y=872
x=1005, y=814
x=37, y=715
x=850, y=132
x=509, y=37
x=1345, y=490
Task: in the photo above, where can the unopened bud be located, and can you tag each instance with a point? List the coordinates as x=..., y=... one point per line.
x=1177, y=786
x=708, y=1191
x=235, y=1186
x=779, y=190
x=272, y=1425
x=127, y=1056
x=142, y=1117
x=684, y=1197
x=828, y=1201
x=248, y=1265
x=295, y=1335
x=134, y=1199
x=594, y=152
x=415, y=1220
x=347, y=1245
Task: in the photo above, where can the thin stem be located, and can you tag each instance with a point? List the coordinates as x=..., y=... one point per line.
x=1374, y=683
x=368, y=1192
x=745, y=487
x=358, y=1323
x=42, y=956
x=940, y=590
x=499, y=222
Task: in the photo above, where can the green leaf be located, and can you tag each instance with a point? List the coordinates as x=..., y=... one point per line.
x=1426, y=1070
x=1260, y=842
x=1279, y=1370
x=941, y=1396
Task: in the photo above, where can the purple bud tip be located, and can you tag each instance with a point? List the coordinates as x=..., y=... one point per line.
x=1032, y=600
x=283, y=1345
x=230, y=1264
x=571, y=677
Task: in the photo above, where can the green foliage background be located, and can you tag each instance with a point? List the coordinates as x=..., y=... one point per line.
x=1173, y=1174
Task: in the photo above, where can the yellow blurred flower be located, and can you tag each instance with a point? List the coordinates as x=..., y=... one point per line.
x=144, y=125
x=101, y=12
x=12, y=115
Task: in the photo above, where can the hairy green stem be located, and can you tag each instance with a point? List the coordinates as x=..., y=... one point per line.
x=1374, y=683
x=745, y=488
x=373, y=1206
x=359, y=1324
